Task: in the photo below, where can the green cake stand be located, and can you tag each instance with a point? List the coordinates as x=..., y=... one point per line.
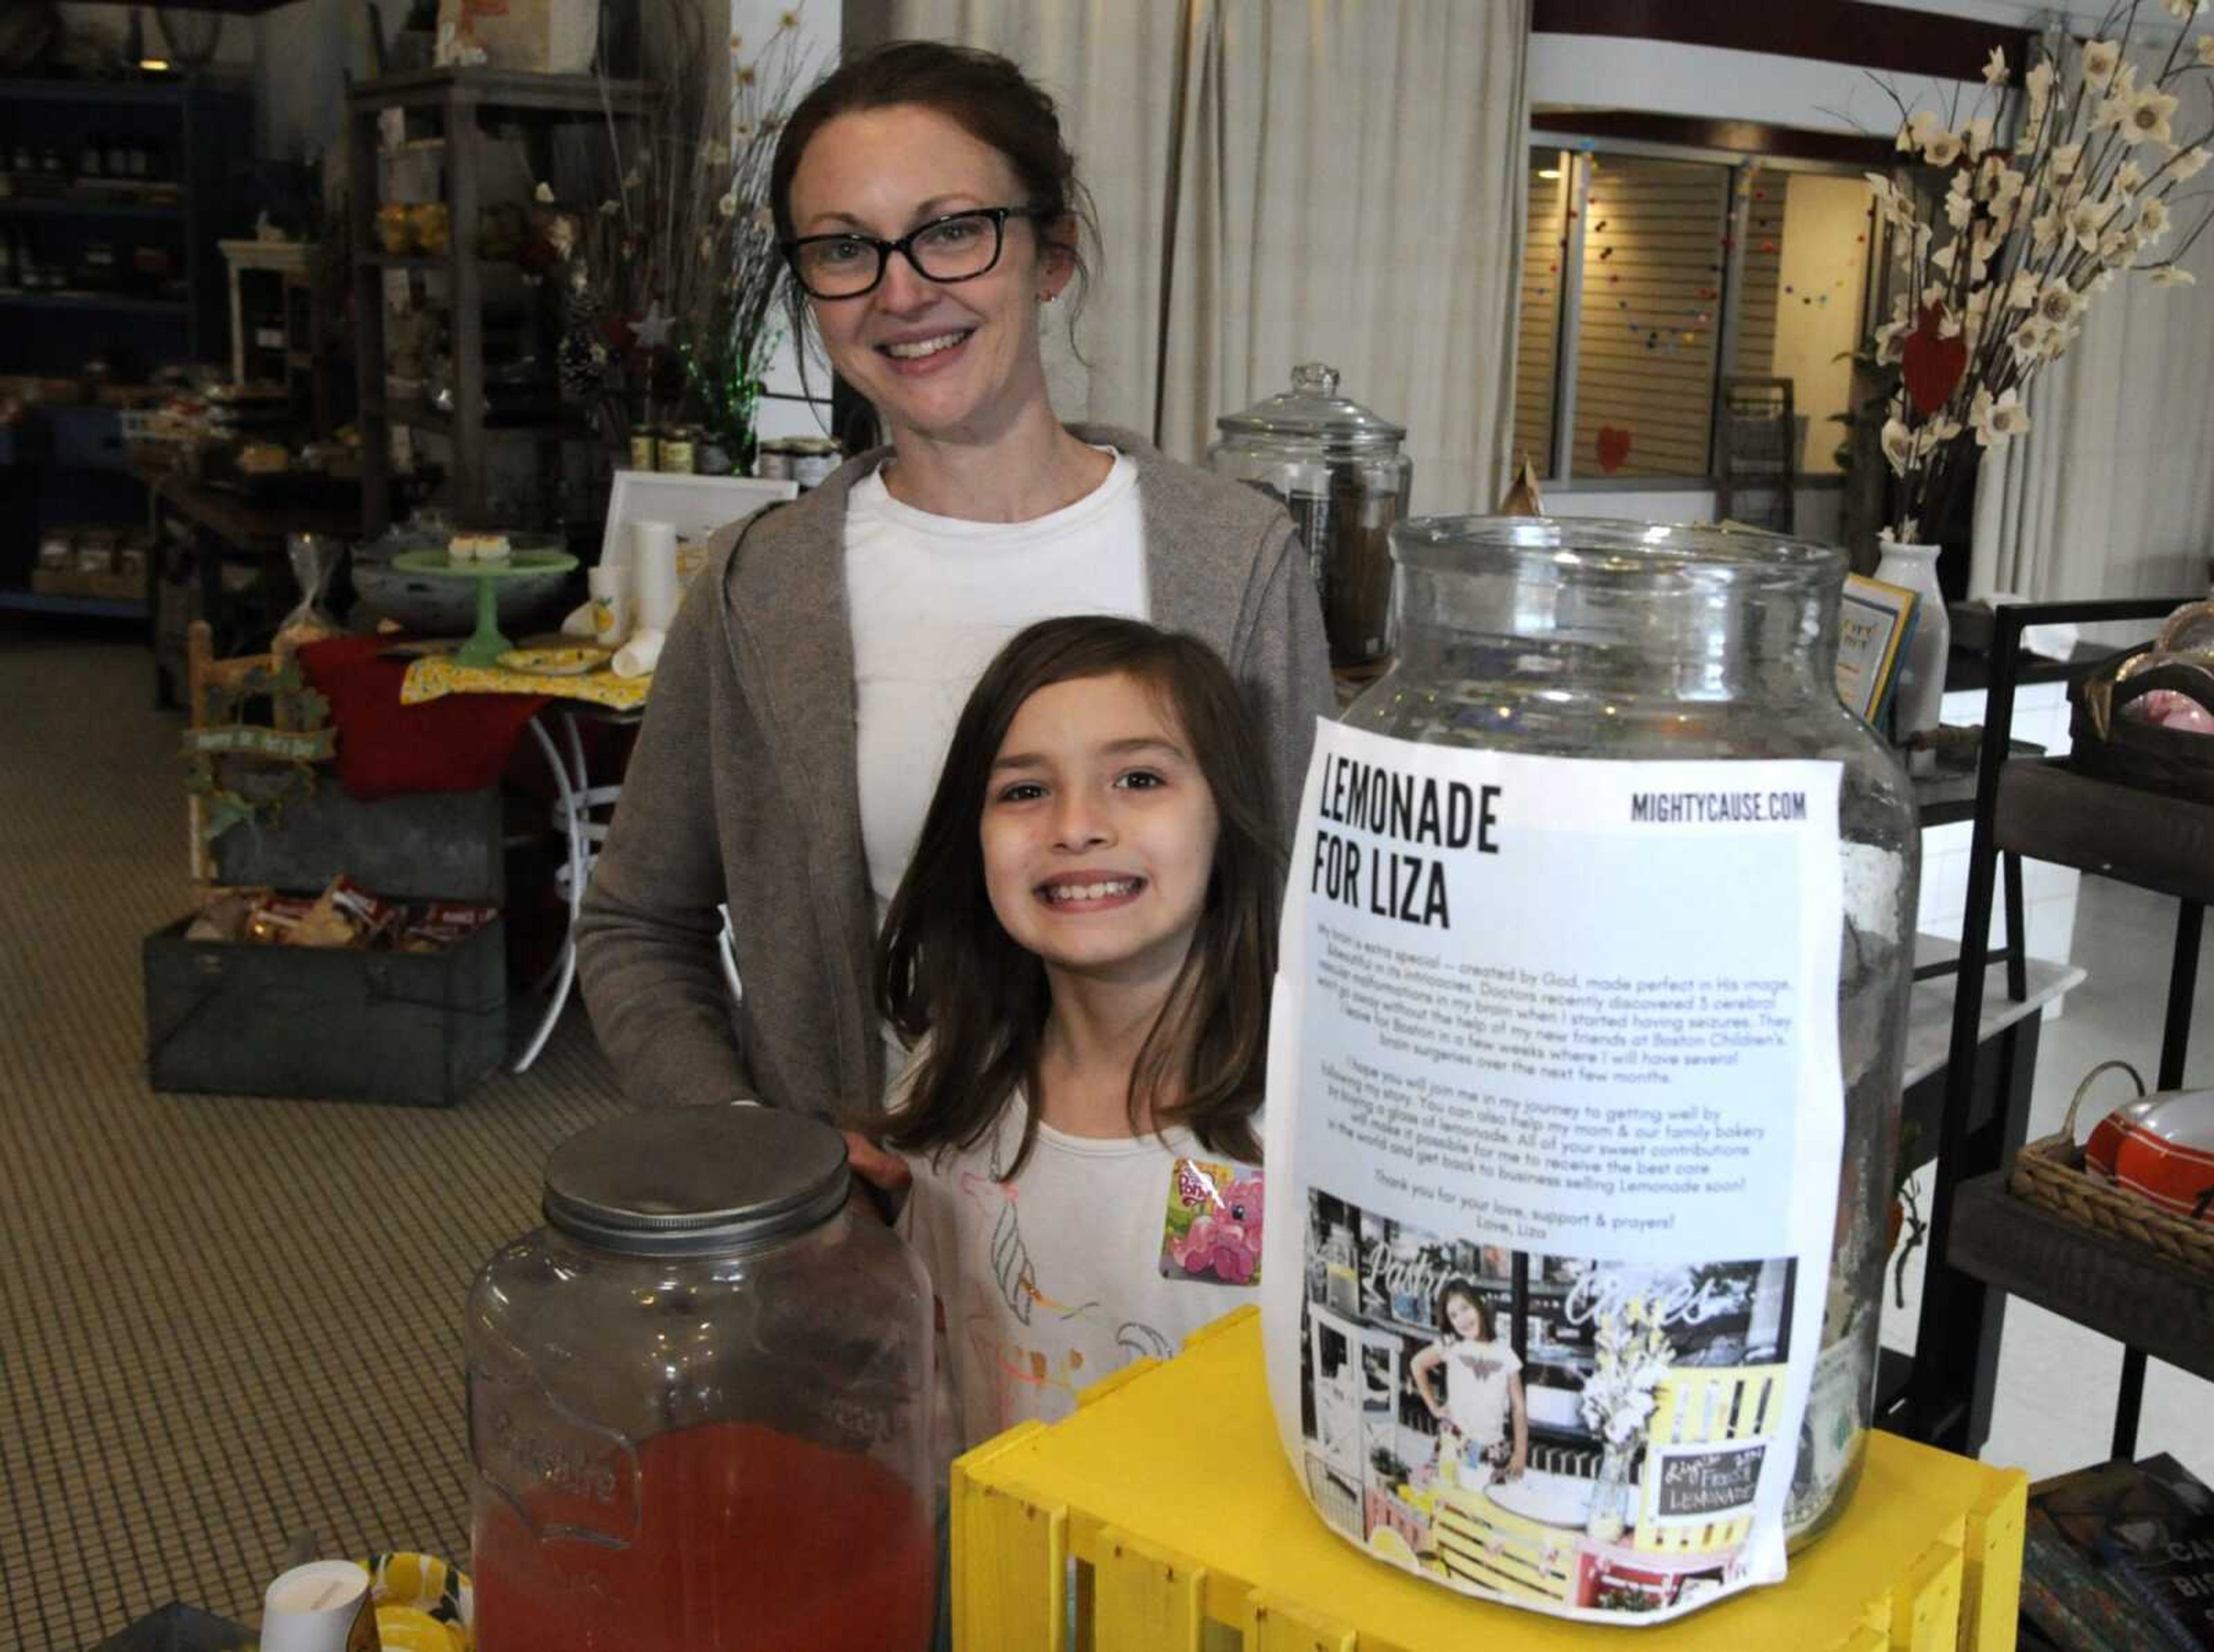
x=486, y=645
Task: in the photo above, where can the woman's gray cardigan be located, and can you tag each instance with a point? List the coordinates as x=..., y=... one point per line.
x=744, y=787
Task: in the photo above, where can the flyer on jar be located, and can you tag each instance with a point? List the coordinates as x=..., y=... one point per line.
x=1553, y=1119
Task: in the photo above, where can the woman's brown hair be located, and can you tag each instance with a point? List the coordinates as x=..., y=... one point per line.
x=954, y=985
x=985, y=95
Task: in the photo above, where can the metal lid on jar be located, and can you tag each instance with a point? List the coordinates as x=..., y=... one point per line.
x=1312, y=411
x=686, y=1179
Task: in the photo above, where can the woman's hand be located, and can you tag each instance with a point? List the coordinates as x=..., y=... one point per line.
x=886, y=1172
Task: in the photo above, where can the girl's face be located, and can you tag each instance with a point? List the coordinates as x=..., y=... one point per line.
x=1098, y=831
x=1465, y=1317
x=955, y=361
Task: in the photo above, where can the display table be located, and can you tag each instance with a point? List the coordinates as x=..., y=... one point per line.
x=1170, y=1483
x=208, y=530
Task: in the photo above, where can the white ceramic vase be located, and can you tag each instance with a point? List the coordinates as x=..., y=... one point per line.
x=1918, y=702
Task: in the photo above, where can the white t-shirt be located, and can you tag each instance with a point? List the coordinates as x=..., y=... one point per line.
x=1477, y=1398
x=1056, y=1279
x=933, y=598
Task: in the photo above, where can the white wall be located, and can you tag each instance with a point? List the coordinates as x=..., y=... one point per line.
x=1708, y=82
x=1823, y=218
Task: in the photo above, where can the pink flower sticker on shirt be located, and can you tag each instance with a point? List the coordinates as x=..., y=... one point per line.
x=1213, y=1231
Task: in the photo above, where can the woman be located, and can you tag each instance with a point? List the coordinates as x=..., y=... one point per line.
x=929, y=209
x=1483, y=1393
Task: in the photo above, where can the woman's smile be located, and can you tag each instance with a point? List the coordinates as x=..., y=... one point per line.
x=916, y=355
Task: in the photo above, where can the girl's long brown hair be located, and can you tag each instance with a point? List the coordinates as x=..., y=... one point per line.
x=951, y=980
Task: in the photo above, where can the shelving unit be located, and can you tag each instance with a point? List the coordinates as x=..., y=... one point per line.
x=462, y=99
x=1984, y=1242
x=65, y=464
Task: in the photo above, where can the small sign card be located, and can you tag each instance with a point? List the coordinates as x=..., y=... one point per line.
x=1875, y=621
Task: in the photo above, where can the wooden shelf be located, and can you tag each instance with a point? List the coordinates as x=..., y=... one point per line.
x=2117, y=1289
x=502, y=89
x=2052, y=811
x=421, y=416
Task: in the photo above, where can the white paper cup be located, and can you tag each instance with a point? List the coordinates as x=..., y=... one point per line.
x=611, y=604
x=322, y=1606
x=653, y=566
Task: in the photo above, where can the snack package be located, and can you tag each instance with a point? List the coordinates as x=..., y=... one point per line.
x=272, y=920
x=441, y=923
x=315, y=558
x=222, y=916
x=344, y=915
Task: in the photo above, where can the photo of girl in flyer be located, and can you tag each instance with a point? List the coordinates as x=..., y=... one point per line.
x=1480, y=1395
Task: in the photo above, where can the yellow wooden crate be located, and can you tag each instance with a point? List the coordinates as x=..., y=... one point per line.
x=1171, y=1487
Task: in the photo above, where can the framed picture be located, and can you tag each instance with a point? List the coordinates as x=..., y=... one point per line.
x=695, y=505
x=1875, y=621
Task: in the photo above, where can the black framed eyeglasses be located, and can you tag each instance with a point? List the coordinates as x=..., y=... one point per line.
x=959, y=246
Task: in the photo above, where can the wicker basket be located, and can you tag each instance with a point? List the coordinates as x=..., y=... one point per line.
x=2051, y=1172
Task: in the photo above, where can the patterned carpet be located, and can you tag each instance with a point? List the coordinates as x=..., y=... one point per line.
x=226, y=1325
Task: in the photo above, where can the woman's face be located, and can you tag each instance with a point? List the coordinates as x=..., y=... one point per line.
x=1465, y=1317
x=1098, y=832
x=957, y=361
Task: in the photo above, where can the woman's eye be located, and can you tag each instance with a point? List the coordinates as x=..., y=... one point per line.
x=954, y=232
x=833, y=253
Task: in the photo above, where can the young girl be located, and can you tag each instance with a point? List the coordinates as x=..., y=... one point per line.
x=1080, y=957
x=1483, y=1385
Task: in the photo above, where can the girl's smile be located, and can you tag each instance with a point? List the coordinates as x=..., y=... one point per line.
x=1075, y=892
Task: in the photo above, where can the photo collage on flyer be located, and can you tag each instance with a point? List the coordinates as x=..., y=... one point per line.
x=1486, y=1415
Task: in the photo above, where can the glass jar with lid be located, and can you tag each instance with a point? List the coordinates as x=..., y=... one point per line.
x=1557, y=637
x=698, y=1401
x=1339, y=470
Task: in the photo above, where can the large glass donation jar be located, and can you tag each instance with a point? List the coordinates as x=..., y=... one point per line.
x=698, y=1401
x=1557, y=637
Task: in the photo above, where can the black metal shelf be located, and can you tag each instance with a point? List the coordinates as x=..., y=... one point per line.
x=74, y=206
x=20, y=600
x=16, y=298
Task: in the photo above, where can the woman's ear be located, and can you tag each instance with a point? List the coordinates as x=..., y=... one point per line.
x=1056, y=256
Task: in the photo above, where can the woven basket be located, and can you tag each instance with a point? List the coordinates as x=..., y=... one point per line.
x=2051, y=1172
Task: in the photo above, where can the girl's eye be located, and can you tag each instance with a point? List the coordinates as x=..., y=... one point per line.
x=1022, y=791
x=1140, y=780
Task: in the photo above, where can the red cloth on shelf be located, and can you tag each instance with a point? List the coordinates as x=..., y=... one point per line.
x=459, y=743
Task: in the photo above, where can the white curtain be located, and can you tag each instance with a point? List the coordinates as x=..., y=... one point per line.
x=1288, y=180
x=2112, y=492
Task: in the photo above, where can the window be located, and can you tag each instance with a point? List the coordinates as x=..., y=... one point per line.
x=1649, y=278
x=1653, y=254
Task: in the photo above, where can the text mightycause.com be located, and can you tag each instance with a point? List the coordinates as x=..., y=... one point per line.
x=1711, y=808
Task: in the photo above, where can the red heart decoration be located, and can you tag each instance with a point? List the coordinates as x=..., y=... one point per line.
x=1932, y=366
x=1613, y=449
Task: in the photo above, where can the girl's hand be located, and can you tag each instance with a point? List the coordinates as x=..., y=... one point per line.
x=886, y=1172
